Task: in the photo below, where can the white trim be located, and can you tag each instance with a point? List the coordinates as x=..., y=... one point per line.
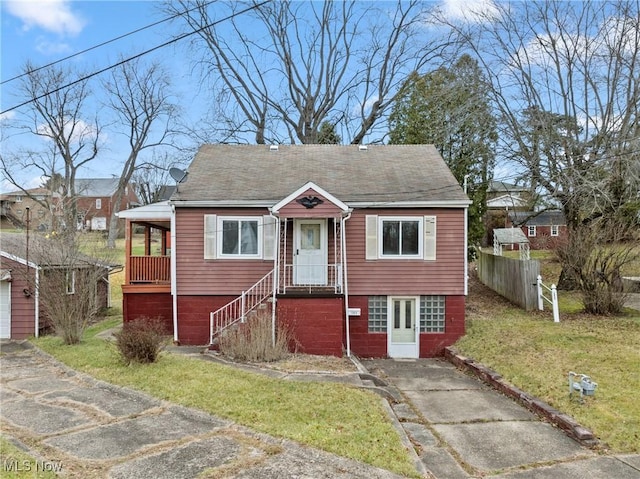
x=413, y=219
x=557, y=230
x=71, y=290
x=530, y=230
x=309, y=185
x=152, y=212
x=324, y=250
x=240, y=219
x=18, y=259
x=345, y=284
x=174, y=279
x=8, y=305
x=415, y=353
x=466, y=252
x=350, y=204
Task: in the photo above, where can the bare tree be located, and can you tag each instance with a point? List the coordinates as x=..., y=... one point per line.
x=565, y=79
x=284, y=68
x=152, y=180
x=60, y=117
x=140, y=97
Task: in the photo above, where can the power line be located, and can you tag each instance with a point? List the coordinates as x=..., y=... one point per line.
x=146, y=52
x=101, y=44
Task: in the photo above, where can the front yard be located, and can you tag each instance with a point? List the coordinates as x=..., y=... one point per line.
x=536, y=355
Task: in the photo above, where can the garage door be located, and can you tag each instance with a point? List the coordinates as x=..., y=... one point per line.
x=5, y=309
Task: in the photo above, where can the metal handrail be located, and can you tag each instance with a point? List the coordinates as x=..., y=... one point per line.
x=238, y=309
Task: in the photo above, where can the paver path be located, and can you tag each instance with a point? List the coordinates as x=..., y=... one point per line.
x=91, y=429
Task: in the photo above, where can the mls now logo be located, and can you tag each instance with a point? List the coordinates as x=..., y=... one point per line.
x=14, y=465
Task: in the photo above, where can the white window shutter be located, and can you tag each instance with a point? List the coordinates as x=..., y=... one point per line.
x=210, y=228
x=371, y=247
x=430, y=238
x=268, y=237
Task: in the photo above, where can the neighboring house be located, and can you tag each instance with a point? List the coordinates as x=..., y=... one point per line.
x=25, y=267
x=359, y=248
x=543, y=228
x=41, y=203
x=507, y=197
x=96, y=201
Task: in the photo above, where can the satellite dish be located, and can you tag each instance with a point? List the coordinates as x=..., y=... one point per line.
x=177, y=174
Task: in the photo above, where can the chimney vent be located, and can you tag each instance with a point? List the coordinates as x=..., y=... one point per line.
x=273, y=147
x=362, y=147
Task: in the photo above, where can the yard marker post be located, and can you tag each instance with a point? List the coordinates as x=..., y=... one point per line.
x=554, y=299
x=540, y=300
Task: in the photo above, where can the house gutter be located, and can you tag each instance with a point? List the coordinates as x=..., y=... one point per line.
x=174, y=282
x=466, y=251
x=346, y=283
x=276, y=271
x=37, y=303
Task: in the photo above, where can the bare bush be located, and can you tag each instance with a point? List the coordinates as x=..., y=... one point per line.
x=594, y=266
x=141, y=340
x=253, y=341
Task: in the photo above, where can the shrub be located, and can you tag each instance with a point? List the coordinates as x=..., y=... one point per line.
x=141, y=340
x=252, y=341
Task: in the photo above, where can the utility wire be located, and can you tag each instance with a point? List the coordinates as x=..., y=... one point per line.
x=102, y=44
x=146, y=52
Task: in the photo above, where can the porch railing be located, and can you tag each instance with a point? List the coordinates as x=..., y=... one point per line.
x=150, y=269
x=311, y=276
x=238, y=309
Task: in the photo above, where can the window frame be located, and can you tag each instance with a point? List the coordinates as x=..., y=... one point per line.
x=98, y=203
x=240, y=219
x=532, y=231
x=555, y=230
x=70, y=281
x=401, y=219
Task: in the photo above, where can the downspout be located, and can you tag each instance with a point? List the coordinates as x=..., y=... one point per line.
x=174, y=280
x=276, y=271
x=344, y=278
x=466, y=251
x=37, y=301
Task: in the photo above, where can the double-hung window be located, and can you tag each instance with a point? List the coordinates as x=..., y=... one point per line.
x=554, y=230
x=239, y=237
x=531, y=231
x=401, y=237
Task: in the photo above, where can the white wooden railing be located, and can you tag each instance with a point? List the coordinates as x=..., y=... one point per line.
x=553, y=300
x=238, y=309
x=320, y=275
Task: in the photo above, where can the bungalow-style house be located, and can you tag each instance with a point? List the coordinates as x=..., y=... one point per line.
x=28, y=265
x=96, y=201
x=357, y=248
x=542, y=228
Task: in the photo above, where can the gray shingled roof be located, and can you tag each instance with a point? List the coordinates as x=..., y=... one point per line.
x=381, y=173
x=537, y=218
x=44, y=252
x=96, y=187
x=509, y=235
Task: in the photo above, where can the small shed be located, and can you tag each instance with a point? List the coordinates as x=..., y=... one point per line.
x=510, y=236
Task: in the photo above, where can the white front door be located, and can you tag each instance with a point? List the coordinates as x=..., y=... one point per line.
x=310, y=252
x=5, y=309
x=403, y=327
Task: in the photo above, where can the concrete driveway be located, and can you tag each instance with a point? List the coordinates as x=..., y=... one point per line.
x=464, y=428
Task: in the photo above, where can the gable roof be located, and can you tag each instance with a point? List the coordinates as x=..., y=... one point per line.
x=96, y=187
x=503, y=186
x=537, y=218
x=42, y=252
x=509, y=236
x=261, y=175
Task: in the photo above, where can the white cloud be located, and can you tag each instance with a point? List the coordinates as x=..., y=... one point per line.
x=52, y=15
x=474, y=11
x=7, y=116
x=52, y=48
x=82, y=131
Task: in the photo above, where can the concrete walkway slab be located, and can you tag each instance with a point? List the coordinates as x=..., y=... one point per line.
x=42, y=418
x=184, y=462
x=466, y=406
x=493, y=446
x=112, y=402
x=45, y=383
x=124, y=438
x=596, y=468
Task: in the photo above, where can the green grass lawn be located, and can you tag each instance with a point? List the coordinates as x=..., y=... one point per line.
x=334, y=417
x=536, y=355
x=16, y=464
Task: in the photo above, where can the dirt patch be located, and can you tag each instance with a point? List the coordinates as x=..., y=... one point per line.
x=308, y=363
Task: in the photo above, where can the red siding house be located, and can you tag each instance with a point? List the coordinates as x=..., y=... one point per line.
x=543, y=228
x=25, y=267
x=357, y=248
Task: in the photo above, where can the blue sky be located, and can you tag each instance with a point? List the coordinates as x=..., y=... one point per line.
x=43, y=31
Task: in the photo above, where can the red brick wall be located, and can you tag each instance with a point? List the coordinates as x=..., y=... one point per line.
x=193, y=317
x=364, y=343
x=317, y=323
x=152, y=305
x=374, y=345
x=433, y=344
